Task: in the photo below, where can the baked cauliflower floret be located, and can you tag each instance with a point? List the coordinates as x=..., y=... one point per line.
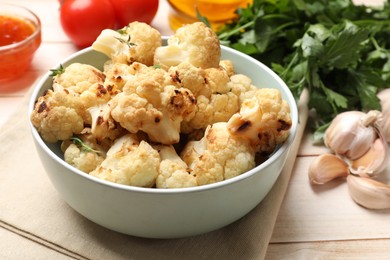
x=84, y=82
x=103, y=125
x=135, y=42
x=64, y=110
x=78, y=77
x=158, y=111
x=58, y=115
x=194, y=43
x=98, y=116
x=151, y=103
x=173, y=171
x=147, y=73
x=188, y=76
x=228, y=66
x=242, y=86
x=218, y=156
x=83, y=154
x=215, y=101
x=217, y=108
x=117, y=74
x=131, y=162
x=97, y=94
x=264, y=120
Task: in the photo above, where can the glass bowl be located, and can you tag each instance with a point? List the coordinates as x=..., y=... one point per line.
x=20, y=37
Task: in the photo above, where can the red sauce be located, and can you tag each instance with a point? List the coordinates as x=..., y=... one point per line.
x=13, y=62
x=13, y=29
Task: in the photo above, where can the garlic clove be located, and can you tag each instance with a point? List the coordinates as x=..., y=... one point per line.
x=368, y=192
x=327, y=167
x=351, y=133
x=372, y=162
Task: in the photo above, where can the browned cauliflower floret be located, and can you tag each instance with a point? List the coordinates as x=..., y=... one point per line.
x=64, y=110
x=117, y=74
x=264, y=120
x=194, y=43
x=83, y=154
x=217, y=108
x=97, y=95
x=92, y=98
x=155, y=110
x=95, y=100
x=150, y=103
x=218, y=156
x=58, y=115
x=241, y=85
x=135, y=42
x=103, y=125
x=228, y=66
x=84, y=82
x=131, y=162
x=78, y=77
x=173, y=171
x=215, y=101
x=143, y=72
x=188, y=76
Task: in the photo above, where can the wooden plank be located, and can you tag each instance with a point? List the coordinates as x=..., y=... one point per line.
x=309, y=147
x=352, y=249
x=325, y=212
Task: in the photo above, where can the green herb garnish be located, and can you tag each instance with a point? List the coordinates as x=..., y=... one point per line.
x=123, y=30
x=84, y=148
x=156, y=66
x=126, y=41
x=338, y=51
x=56, y=72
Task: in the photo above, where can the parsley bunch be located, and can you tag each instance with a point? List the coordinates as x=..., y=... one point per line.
x=338, y=51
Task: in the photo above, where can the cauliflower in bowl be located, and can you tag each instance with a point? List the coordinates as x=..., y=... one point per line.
x=156, y=116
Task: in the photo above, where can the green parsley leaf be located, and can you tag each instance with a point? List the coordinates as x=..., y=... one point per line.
x=340, y=52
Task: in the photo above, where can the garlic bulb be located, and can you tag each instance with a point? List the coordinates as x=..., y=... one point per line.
x=384, y=97
x=352, y=133
x=357, y=137
x=368, y=192
x=361, y=152
x=327, y=167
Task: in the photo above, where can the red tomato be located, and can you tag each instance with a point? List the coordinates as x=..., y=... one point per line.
x=83, y=20
x=127, y=11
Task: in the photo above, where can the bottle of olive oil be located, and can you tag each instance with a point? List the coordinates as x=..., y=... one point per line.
x=217, y=12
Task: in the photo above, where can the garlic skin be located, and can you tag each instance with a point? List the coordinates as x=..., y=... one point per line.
x=373, y=162
x=368, y=192
x=327, y=167
x=384, y=97
x=352, y=133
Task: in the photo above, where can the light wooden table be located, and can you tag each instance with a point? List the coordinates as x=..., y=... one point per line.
x=313, y=222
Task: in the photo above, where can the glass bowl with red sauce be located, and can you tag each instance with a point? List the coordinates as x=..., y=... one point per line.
x=20, y=37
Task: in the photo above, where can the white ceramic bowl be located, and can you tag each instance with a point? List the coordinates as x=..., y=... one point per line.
x=166, y=213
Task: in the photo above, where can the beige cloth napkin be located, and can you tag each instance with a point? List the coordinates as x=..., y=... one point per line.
x=31, y=207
